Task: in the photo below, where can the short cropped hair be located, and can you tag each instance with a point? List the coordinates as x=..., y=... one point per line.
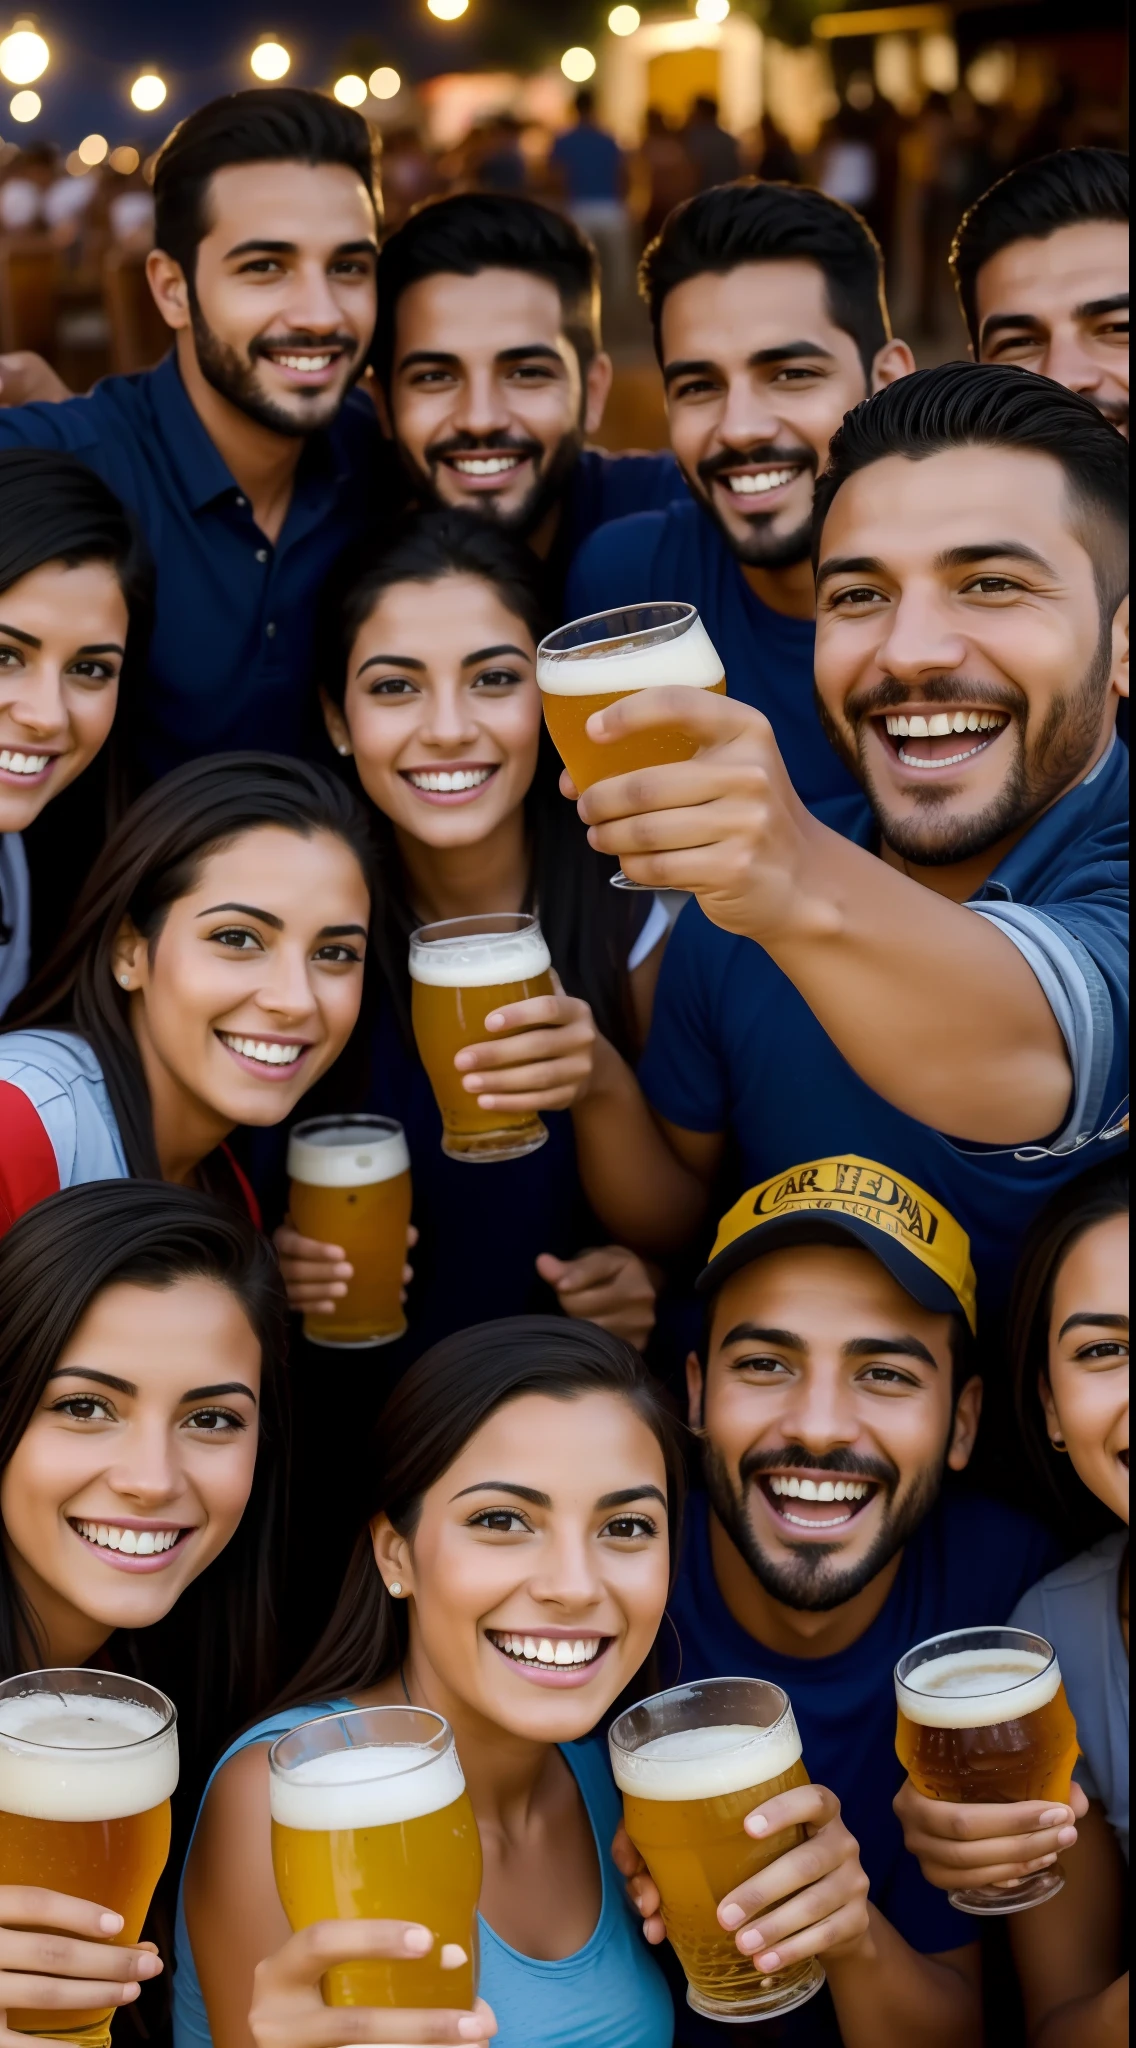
x=751, y=221
x=1031, y=203
x=271, y=124
x=466, y=232
x=968, y=405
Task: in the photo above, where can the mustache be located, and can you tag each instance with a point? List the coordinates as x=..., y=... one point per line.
x=784, y=458
x=889, y=694
x=302, y=337
x=485, y=444
x=1114, y=410
x=841, y=1464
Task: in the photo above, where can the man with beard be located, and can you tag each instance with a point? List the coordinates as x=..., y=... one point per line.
x=767, y=305
x=245, y=457
x=835, y=1397
x=953, y=991
x=491, y=372
x=1040, y=264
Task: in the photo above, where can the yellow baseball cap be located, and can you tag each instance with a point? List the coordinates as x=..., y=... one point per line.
x=904, y=1227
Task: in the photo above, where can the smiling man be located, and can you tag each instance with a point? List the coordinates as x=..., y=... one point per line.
x=767, y=304
x=834, y=1396
x=1040, y=263
x=246, y=458
x=955, y=988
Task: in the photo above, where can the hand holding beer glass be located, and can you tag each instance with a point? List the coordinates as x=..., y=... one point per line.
x=88, y=1763
x=350, y=1188
x=983, y=1721
x=591, y=663
x=691, y=1764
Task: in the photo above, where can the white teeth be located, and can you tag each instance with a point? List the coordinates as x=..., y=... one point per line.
x=918, y=728
x=542, y=1650
x=444, y=782
x=303, y=362
x=262, y=1049
x=483, y=465
x=826, y=1490
x=22, y=764
x=754, y=483
x=936, y=727
x=134, y=1543
x=808, y=1490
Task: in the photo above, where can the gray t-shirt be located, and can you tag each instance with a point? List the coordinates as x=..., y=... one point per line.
x=1077, y=1609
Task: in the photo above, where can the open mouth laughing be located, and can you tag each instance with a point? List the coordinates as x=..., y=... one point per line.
x=129, y=1547
x=272, y=1058
x=815, y=1504
x=932, y=740
x=308, y=364
x=486, y=468
x=456, y=784
x=551, y=1656
x=23, y=767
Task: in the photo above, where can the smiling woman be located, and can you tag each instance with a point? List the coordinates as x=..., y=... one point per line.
x=211, y=973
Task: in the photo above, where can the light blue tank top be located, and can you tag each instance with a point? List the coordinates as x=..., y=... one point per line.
x=610, y=1994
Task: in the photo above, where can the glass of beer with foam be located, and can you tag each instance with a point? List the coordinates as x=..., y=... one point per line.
x=88, y=1763
x=371, y=1821
x=350, y=1179
x=983, y=1720
x=691, y=1763
x=585, y=666
x=460, y=971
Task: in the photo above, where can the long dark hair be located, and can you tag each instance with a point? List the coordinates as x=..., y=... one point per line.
x=429, y=1418
x=55, y=509
x=152, y=860
x=216, y=1652
x=590, y=927
x=1094, y=1197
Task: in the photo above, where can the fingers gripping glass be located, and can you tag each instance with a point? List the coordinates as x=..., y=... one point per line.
x=460, y=972
x=594, y=662
x=350, y=1185
x=691, y=1763
x=983, y=1720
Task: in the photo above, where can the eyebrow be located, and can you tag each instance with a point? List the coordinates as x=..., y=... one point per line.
x=544, y=1500
x=245, y=910
x=292, y=248
x=950, y=558
x=781, y=352
x=391, y=661
x=109, y=1379
x=857, y=1347
x=762, y=1333
x=490, y=653
x=999, y=323
x=25, y=639
x=1084, y=1320
x=101, y=647
x=522, y=353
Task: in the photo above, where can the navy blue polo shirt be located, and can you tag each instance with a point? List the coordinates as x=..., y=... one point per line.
x=735, y=1048
x=967, y=1564
x=680, y=554
x=230, y=658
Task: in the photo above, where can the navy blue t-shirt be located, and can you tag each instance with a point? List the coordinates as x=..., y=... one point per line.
x=768, y=658
x=967, y=1564
x=735, y=1048
x=603, y=488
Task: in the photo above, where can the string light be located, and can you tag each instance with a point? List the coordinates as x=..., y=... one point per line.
x=24, y=106
x=623, y=21
x=92, y=150
x=577, y=64
x=447, y=10
x=24, y=56
x=270, y=60
x=711, y=10
x=125, y=159
x=147, y=92
x=350, y=90
x=384, y=83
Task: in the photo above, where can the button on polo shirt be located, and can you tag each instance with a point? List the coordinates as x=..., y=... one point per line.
x=231, y=654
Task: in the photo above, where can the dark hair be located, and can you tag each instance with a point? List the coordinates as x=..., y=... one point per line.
x=55, y=509
x=1030, y=204
x=967, y=405
x=1094, y=1197
x=265, y=124
x=585, y=103
x=751, y=221
x=147, y=864
x=467, y=232
x=590, y=927
x=218, y=1655
x=441, y=1403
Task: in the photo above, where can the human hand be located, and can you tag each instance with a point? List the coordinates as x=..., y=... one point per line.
x=26, y=378
x=316, y=1275
x=641, y=1887
x=609, y=1286
x=726, y=826
x=545, y=1061
x=811, y=1901
x=57, y=1954
x=288, y=2009
x=965, y=1846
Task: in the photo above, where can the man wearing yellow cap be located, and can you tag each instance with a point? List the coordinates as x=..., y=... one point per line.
x=834, y=1394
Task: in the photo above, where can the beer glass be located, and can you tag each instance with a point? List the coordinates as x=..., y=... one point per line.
x=983, y=1720
x=350, y=1180
x=585, y=666
x=691, y=1763
x=371, y=1821
x=460, y=971
x=88, y=1762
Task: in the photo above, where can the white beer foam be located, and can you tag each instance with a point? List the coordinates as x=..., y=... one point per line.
x=968, y=1688
x=635, y=663
x=73, y=1761
x=707, y=1763
x=479, y=962
x=375, y=1787
x=346, y=1156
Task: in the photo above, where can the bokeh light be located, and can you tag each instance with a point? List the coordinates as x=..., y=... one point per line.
x=147, y=92
x=447, y=10
x=24, y=106
x=125, y=159
x=623, y=21
x=577, y=64
x=384, y=83
x=24, y=55
x=92, y=150
x=270, y=60
x=350, y=90
x=711, y=10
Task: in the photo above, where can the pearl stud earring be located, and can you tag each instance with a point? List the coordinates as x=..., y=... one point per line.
x=125, y=980
x=395, y=1588
x=342, y=748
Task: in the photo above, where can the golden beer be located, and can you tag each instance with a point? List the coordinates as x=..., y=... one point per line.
x=983, y=1720
x=371, y=1820
x=460, y=971
x=88, y=1763
x=350, y=1180
x=688, y=1780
